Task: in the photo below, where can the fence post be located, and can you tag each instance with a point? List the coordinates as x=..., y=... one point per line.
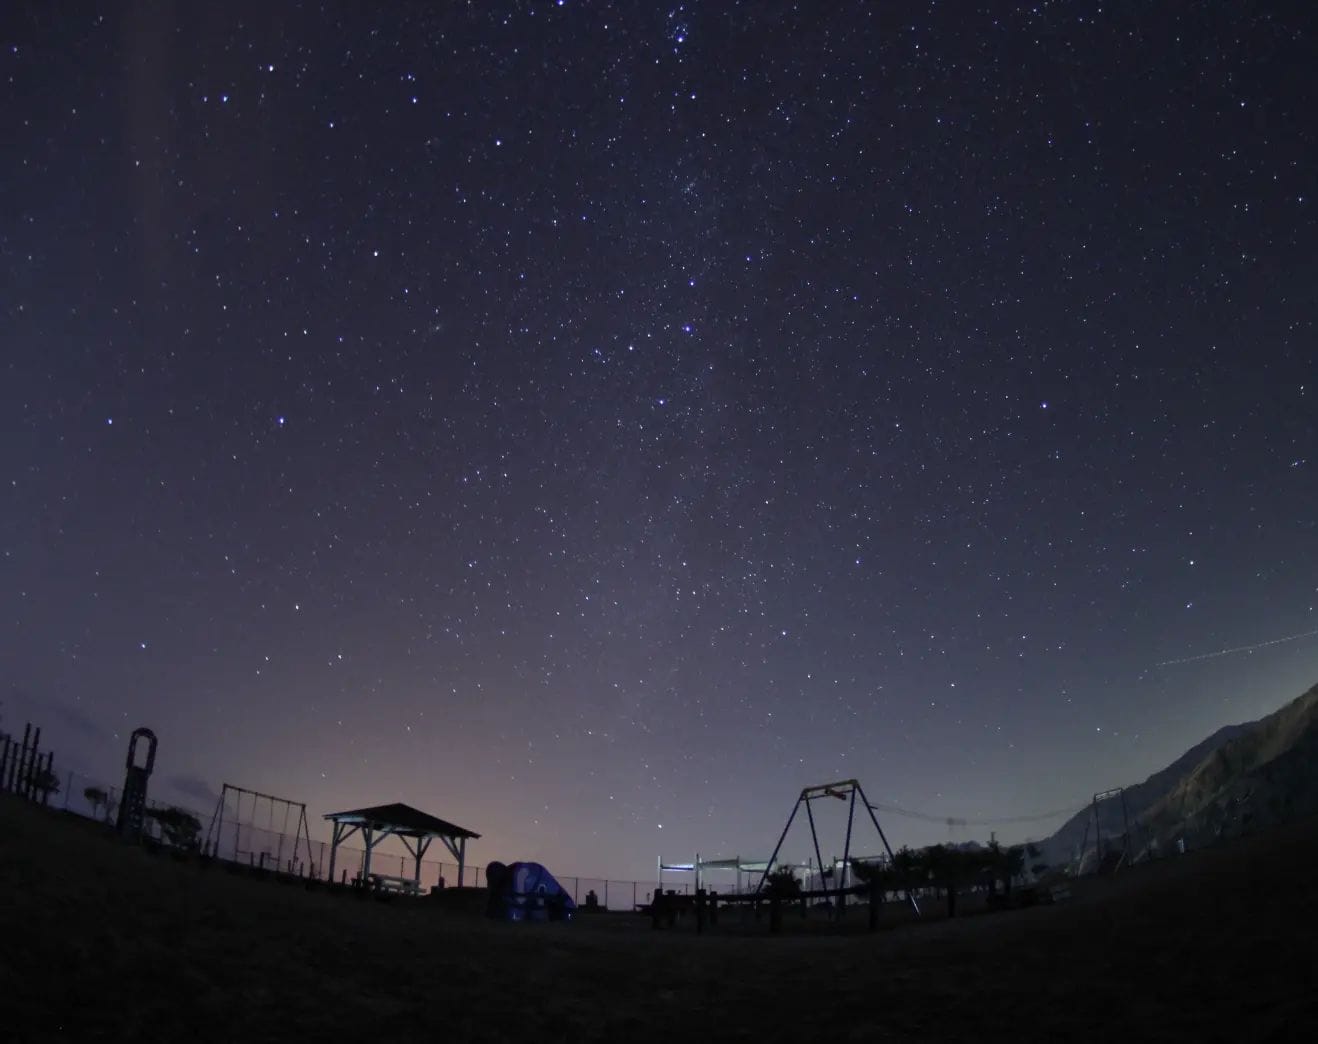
x=50, y=774
x=606, y=893
x=10, y=781
x=68, y=789
x=633, y=895
x=34, y=765
x=20, y=777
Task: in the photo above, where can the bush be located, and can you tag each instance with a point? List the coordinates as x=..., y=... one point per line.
x=180, y=827
x=782, y=884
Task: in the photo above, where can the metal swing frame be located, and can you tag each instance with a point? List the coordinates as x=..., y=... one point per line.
x=844, y=790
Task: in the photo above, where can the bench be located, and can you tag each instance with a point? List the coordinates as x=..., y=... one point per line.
x=401, y=885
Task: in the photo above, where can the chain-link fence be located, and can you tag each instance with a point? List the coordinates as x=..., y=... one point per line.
x=277, y=845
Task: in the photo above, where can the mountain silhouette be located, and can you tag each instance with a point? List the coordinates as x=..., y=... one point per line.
x=1240, y=778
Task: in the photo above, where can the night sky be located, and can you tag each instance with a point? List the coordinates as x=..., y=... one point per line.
x=591, y=423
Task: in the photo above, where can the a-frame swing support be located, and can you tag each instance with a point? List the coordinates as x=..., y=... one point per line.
x=1127, y=858
x=844, y=790
x=301, y=829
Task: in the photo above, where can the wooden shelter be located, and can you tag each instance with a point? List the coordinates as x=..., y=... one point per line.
x=416, y=829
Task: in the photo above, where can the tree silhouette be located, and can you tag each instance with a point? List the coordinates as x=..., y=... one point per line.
x=1013, y=865
x=1037, y=866
x=42, y=781
x=782, y=884
x=97, y=798
x=180, y=827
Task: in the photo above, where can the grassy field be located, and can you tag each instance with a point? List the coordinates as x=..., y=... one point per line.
x=99, y=941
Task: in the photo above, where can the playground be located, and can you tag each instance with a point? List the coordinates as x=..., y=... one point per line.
x=116, y=940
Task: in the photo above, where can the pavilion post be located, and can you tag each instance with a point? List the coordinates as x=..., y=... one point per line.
x=462, y=859
x=422, y=843
x=366, y=857
x=334, y=851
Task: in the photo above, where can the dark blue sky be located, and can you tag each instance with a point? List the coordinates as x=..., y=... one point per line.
x=575, y=418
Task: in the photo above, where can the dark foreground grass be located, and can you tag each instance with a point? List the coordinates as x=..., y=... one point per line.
x=104, y=942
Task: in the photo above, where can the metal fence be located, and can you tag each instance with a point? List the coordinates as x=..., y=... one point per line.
x=256, y=845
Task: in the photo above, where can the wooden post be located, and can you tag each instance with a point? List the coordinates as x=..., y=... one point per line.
x=876, y=897
x=16, y=762
x=713, y=909
x=16, y=771
x=700, y=911
x=50, y=774
x=368, y=834
x=775, y=915
x=33, y=760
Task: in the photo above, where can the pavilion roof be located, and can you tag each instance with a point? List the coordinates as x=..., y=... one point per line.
x=402, y=819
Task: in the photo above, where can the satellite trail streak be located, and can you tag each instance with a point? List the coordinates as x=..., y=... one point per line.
x=1237, y=649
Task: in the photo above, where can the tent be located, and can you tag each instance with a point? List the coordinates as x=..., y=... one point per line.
x=526, y=892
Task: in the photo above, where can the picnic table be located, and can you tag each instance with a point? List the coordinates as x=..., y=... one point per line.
x=388, y=883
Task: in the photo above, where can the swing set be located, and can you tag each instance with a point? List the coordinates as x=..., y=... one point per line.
x=848, y=790
x=1120, y=851
x=294, y=811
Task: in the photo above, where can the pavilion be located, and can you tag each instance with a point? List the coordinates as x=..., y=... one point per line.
x=416, y=829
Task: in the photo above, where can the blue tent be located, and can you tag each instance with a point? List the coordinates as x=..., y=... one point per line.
x=526, y=892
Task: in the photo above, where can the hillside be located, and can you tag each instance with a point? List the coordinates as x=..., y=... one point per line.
x=1240, y=778
x=1265, y=776
x=1061, y=847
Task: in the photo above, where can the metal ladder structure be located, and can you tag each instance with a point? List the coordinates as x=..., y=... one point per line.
x=132, y=806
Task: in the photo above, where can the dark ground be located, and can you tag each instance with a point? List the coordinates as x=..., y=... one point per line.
x=99, y=941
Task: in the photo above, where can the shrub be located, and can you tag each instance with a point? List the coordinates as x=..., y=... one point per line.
x=782, y=884
x=180, y=827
